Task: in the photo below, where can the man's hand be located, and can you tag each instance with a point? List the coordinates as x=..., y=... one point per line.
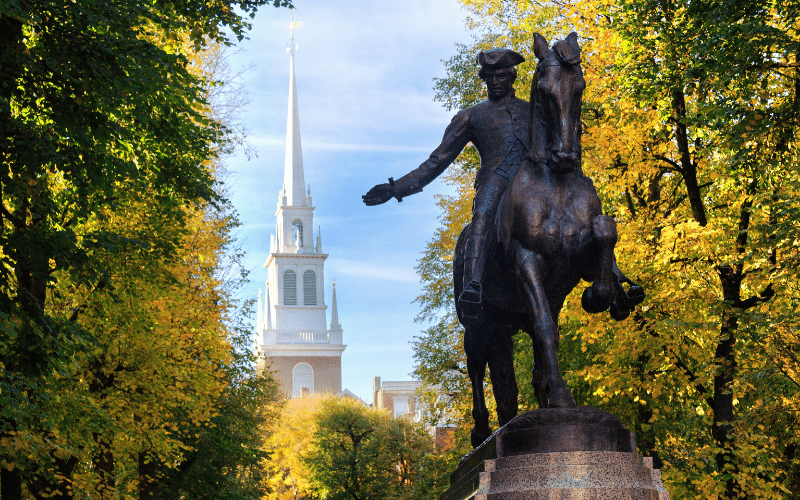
x=378, y=195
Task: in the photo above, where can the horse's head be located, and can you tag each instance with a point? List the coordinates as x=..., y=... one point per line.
x=556, y=95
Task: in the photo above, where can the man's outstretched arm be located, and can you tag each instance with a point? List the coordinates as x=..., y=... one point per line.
x=456, y=136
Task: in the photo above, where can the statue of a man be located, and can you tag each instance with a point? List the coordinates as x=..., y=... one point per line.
x=499, y=128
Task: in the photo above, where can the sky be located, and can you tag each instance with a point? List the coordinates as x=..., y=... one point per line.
x=364, y=72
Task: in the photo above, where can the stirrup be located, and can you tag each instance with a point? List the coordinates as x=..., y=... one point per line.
x=470, y=300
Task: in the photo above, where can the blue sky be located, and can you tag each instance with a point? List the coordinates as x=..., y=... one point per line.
x=365, y=74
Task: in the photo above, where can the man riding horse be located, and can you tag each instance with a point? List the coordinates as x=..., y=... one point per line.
x=499, y=127
x=548, y=231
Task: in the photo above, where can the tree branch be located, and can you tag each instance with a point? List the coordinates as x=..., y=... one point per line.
x=764, y=296
x=675, y=165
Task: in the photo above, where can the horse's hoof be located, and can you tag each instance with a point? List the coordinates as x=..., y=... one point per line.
x=478, y=436
x=591, y=303
x=559, y=395
x=618, y=313
x=635, y=295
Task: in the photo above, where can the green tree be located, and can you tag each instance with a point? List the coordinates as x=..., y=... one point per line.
x=359, y=452
x=690, y=123
x=105, y=144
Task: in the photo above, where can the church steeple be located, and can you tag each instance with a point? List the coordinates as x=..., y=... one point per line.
x=293, y=178
x=293, y=331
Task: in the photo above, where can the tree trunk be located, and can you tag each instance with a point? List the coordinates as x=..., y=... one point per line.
x=148, y=484
x=10, y=484
x=688, y=167
x=103, y=461
x=43, y=489
x=731, y=278
x=725, y=362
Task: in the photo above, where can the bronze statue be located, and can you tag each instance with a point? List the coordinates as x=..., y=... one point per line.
x=537, y=235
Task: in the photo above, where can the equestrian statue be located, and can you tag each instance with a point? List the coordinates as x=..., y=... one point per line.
x=537, y=227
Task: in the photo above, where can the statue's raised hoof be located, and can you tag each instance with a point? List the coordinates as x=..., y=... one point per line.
x=479, y=435
x=591, y=303
x=559, y=395
x=635, y=295
x=617, y=312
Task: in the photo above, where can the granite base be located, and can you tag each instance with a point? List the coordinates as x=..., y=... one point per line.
x=558, y=454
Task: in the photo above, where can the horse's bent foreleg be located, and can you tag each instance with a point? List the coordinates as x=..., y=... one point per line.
x=476, y=368
x=545, y=337
x=504, y=381
x=599, y=295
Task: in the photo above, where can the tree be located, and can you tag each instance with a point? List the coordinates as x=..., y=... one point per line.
x=359, y=452
x=106, y=190
x=690, y=117
x=287, y=476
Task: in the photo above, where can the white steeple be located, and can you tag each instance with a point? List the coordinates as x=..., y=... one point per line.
x=293, y=330
x=293, y=178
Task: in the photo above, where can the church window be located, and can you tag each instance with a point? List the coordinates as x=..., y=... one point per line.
x=290, y=288
x=309, y=288
x=302, y=379
x=297, y=233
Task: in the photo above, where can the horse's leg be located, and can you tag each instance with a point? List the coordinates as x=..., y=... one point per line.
x=537, y=374
x=504, y=381
x=477, y=341
x=552, y=390
x=597, y=297
x=480, y=414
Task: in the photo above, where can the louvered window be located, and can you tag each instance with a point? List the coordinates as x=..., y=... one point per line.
x=290, y=288
x=309, y=288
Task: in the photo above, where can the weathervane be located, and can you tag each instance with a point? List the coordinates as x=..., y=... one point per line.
x=292, y=48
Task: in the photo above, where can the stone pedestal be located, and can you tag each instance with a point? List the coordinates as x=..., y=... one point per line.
x=558, y=454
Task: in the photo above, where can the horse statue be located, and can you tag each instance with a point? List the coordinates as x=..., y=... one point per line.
x=549, y=233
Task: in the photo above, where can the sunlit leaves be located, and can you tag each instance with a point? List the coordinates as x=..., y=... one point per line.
x=689, y=133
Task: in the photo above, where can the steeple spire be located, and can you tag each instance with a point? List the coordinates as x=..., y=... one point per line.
x=335, y=326
x=294, y=180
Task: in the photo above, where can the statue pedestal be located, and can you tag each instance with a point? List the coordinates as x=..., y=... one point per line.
x=562, y=453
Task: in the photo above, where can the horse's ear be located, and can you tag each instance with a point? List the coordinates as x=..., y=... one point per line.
x=540, y=47
x=572, y=39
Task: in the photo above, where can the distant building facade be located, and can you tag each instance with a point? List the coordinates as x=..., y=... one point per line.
x=294, y=339
x=402, y=401
x=399, y=398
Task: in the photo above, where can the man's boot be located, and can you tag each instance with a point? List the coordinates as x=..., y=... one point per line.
x=470, y=300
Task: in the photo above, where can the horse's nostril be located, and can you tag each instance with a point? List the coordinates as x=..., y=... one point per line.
x=562, y=156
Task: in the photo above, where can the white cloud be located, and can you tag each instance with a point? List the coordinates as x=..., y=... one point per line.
x=373, y=271
x=280, y=143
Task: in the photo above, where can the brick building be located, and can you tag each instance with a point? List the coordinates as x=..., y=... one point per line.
x=400, y=398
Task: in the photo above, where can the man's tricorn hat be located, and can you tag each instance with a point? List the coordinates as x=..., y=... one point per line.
x=497, y=59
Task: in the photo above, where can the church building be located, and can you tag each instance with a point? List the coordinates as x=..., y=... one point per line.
x=294, y=338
